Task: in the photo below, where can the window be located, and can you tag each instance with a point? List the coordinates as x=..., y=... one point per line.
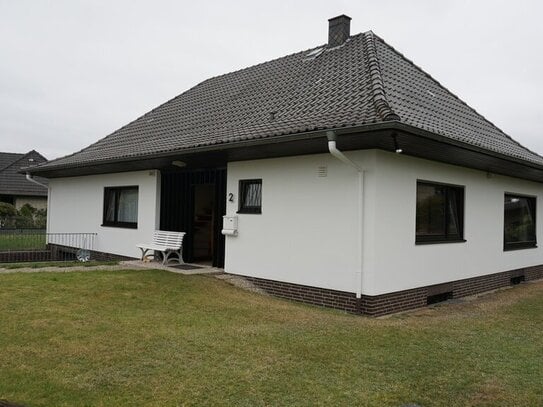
x=519, y=222
x=121, y=207
x=440, y=213
x=250, y=196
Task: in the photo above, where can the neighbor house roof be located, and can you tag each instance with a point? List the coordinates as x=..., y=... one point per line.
x=8, y=159
x=362, y=82
x=12, y=181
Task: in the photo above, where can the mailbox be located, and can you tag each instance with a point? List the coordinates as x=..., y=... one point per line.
x=230, y=225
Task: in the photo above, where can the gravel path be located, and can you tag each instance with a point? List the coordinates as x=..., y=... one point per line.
x=240, y=282
x=123, y=265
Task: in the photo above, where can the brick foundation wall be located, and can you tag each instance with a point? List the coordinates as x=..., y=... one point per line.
x=103, y=256
x=392, y=302
x=341, y=300
x=533, y=273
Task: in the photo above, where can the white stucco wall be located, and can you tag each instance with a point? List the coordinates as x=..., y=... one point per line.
x=76, y=205
x=306, y=233
x=400, y=264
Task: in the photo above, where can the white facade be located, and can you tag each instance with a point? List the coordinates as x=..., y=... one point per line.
x=306, y=233
x=400, y=264
x=76, y=205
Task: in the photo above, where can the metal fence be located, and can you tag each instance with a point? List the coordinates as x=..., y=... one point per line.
x=37, y=245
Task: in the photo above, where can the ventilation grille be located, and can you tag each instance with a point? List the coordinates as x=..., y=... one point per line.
x=434, y=299
x=322, y=171
x=517, y=280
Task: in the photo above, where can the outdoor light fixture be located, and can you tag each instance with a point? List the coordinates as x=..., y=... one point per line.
x=180, y=164
x=397, y=148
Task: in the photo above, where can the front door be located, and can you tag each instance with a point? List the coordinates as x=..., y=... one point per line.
x=202, y=225
x=194, y=202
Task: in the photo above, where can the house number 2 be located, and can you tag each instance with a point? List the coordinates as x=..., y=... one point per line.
x=230, y=197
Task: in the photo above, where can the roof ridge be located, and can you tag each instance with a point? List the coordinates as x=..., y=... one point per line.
x=38, y=153
x=19, y=156
x=14, y=162
x=453, y=94
x=23, y=155
x=380, y=100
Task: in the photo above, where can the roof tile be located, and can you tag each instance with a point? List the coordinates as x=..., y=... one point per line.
x=363, y=81
x=12, y=182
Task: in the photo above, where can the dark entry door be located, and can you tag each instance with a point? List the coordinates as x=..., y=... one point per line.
x=183, y=195
x=202, y=229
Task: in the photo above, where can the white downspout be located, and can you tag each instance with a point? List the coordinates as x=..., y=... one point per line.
x=29, y=178
x=342, y=157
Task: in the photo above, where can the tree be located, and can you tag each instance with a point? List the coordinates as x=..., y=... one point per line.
x=27, y=211
x=7, y=210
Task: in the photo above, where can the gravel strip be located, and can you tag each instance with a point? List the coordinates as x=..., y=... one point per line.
x=123, y=265
x=240, y=282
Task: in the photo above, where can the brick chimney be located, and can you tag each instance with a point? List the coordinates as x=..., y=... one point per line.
x=339, y=29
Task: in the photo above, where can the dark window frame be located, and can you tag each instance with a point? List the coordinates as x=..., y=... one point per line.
x=117, y=191
x=242, y=207
x=532, y=206
x=446, y=237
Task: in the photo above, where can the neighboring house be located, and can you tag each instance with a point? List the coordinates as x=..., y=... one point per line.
x=14, y=187
x=428, y=201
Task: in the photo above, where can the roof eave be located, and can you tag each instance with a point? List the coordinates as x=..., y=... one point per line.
x=395, y=125
x=446, y=140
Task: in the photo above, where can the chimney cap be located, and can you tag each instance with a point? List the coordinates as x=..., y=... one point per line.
x=340, y=16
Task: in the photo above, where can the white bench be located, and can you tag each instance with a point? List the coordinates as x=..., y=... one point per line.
x=168, y=243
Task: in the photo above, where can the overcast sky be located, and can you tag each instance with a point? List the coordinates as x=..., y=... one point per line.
x=71, y=72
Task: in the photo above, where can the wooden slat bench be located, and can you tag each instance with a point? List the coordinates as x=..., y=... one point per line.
x=168, y=243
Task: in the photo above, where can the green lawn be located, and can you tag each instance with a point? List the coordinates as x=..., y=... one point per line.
x=22, y=241
x=158, y=338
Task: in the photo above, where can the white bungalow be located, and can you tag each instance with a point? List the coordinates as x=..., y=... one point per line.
x=349, y=177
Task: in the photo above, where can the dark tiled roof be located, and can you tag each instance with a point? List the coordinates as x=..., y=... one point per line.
x=12, y=182
x=7, y=159
x=422, y=102
x=361, y=82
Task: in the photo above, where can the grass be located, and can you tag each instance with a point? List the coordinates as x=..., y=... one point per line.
x=22, y=241
x=158, y=338
x=45, y=264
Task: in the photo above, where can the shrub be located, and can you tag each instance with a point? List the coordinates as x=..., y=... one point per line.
x=27, y=211
x=27, y=217
x=7, y=210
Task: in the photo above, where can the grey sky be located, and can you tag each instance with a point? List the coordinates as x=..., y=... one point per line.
x=71, y=72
